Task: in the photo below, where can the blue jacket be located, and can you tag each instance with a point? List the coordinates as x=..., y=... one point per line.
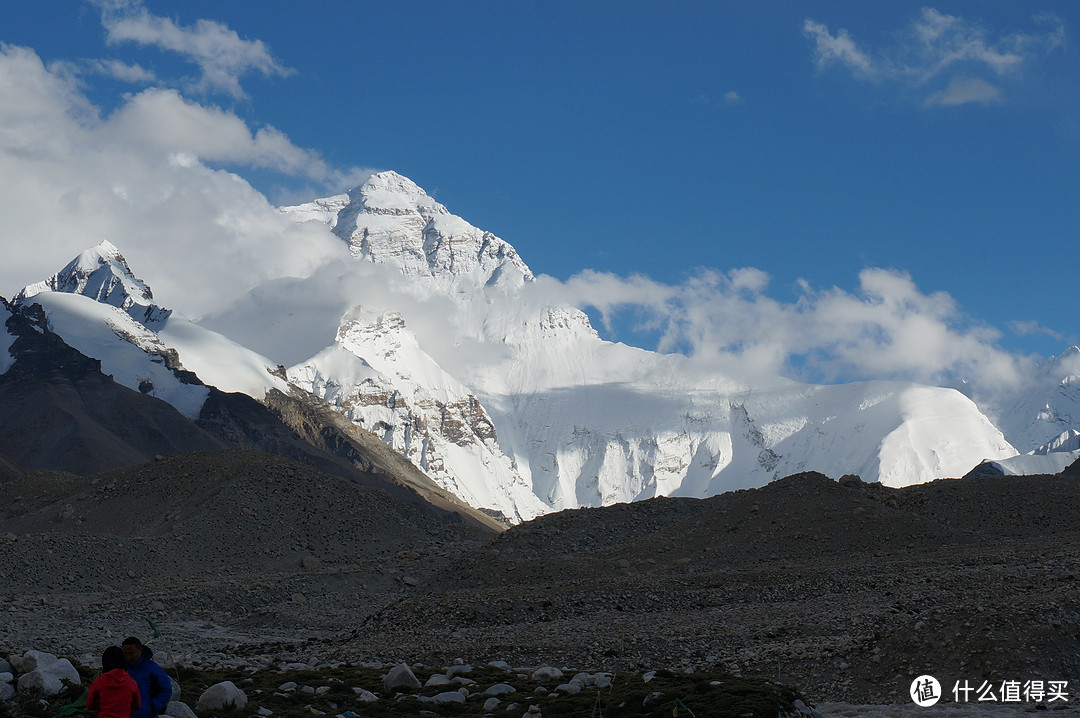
x=155, y=688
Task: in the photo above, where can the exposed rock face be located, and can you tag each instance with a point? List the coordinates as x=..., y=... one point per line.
x=103, y=274
x=58, y=411
x=390, y=219
x=378, y=377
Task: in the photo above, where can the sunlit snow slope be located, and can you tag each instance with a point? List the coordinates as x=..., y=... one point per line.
x=583, y=421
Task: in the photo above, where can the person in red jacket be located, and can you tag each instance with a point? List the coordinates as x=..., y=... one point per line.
x=114, y=693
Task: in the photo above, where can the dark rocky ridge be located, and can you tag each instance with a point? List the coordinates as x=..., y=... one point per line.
x=58, y=411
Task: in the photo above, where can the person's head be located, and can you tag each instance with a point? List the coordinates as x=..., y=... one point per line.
x=112, y=658
x=133, y=650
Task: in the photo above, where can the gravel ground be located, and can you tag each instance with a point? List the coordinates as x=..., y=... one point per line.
x=846, y=592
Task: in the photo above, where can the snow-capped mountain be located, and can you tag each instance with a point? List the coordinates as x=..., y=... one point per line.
x=102, y=274
x=98, y=305
x=377, y=375
x=515, y=404
x=390, y=219
x=587, y=422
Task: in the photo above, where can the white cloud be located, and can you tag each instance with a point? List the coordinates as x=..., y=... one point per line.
x=829, y=48
x=727, y=321
x=200, y=236
x=965, y=90
x=949, y=60
x=203, y=238
x=1029, y=328
x=220, y=53
x=163, y=122
x=122, y=71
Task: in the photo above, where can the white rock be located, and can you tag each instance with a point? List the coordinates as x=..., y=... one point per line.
x=222, y=695
x=449, y=697
x=546, y=673
x=37, y=681
x=176, y=709
x=459, y=670
x=502, y=665
x=33, y=660
x=287, y=686
x=648, y=676
x=364, y=695
x=585, y=679
x=7, y=691
x=500, y=689
x=400, y=676
x=49, y=675
x=491, y=704
x=569, y=688
x=437, y=679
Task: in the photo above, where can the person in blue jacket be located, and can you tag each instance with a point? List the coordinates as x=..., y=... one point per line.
x=155, y=688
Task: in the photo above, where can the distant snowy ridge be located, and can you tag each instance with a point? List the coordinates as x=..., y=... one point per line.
x=516, y=405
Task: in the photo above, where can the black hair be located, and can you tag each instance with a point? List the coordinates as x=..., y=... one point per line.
x=112, y=658
x=132, y=641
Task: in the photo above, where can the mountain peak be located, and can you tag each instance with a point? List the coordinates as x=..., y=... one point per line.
x=102, y=273
x=390, y=219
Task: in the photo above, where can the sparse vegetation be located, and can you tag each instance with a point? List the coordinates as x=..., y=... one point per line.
x=666, y=694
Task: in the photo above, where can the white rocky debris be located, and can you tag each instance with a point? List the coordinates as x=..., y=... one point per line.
x=44, y=673
x=222, y=696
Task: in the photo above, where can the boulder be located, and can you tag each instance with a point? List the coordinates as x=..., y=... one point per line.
x=545, y=674
x=33, y=660
x=437, y=679
x=449, y=697
x=222, y=695
x=500, y=689
x=364, y=695
x=850, y=480
x=48, y=678
x=176, y=709
x=401, y=677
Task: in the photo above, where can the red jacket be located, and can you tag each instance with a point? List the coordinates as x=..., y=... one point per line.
x=113, y=695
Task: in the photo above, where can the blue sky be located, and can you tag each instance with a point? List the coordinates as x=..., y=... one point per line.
x=812, y=141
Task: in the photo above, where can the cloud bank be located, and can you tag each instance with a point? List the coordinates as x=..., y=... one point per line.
x=946, y=59
x=142, y=178
x=149, y=177
x=887, y=329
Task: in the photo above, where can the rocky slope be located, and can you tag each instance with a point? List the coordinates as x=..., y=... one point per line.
x=845, y=590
